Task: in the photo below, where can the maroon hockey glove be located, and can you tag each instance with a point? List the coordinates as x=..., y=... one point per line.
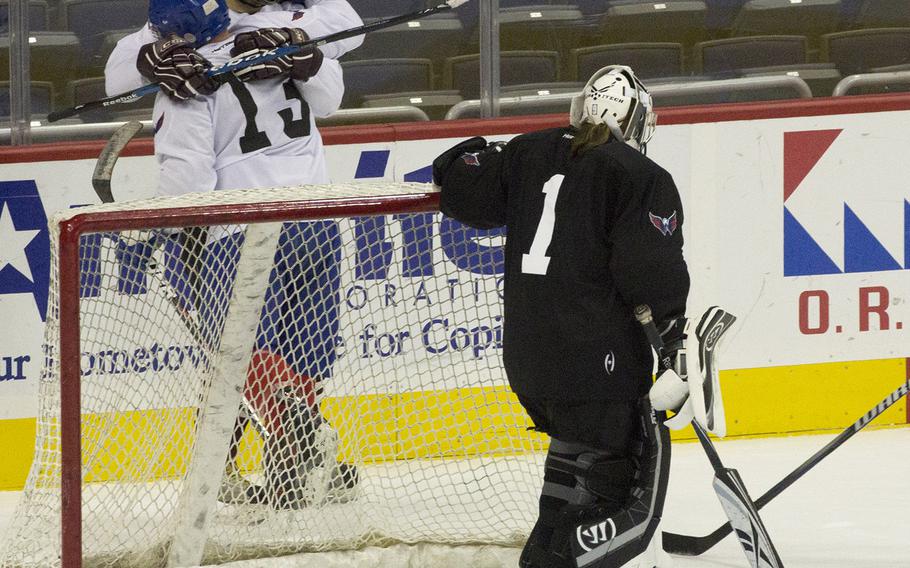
x=300, y=65
x=179, y=68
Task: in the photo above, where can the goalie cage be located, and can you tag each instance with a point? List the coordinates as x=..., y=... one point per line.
x=156, y=333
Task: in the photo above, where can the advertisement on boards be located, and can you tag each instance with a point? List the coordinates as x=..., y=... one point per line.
x=799, y=226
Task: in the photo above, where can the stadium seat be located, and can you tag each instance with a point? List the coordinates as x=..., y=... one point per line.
x=434, y=103
x=821, y=77
x=53, y=57
x=883, y=13
x=385, y=76
x=858, y=51
x=720, y=16
x=90, y=20
x=471, y=10
x=567, y=14
x=670, y=97
x=516, y=68
x=726, y=55
x=548, y=28
x=785, y=17
x=42, y=97
x=591, y=7
x=678, y=21
x=541, y=89
x=108, y=43
x=649, y=60
x=436, y=38
x=37, y=16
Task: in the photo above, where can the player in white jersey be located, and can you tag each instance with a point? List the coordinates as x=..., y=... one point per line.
x=316, y=17
x=262, y=133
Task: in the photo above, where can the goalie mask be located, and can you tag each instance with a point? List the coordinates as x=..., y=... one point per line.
x=197, y=21
x=614, y=96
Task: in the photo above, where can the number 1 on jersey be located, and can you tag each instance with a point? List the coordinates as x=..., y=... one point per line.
x=536, y=260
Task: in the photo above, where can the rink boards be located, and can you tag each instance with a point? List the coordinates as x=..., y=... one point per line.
x=797, y=220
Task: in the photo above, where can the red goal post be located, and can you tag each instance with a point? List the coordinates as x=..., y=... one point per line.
x=452, y=406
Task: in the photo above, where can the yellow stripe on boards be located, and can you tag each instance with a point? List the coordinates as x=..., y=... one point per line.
x=18, y=448
x=153, y=444
x=805, y=398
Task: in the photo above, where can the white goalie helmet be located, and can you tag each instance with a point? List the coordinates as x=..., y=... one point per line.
x=614, y=96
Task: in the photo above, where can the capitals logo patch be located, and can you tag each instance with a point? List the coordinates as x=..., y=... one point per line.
x=666, y=225
x=471, y=159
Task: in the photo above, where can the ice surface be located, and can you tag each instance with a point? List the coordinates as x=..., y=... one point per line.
x=848, y=512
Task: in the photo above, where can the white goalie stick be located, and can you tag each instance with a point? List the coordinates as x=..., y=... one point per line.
x=220, y=72
x=732, y=493
x=688, y=545
x=191, y=241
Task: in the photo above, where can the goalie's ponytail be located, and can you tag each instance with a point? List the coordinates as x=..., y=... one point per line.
x=589, y=135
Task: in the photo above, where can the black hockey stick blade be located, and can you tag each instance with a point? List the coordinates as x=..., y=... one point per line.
x=687, y=545
x=104, y=167
x=242, y=62
x=731, y=491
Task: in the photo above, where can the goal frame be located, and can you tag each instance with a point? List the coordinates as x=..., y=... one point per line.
x=70, y=232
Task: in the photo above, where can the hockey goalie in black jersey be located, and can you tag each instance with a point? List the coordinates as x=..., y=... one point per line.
x=594, y=228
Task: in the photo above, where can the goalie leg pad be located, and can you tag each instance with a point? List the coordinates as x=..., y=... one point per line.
x=598, y=476
x=579, y=477
x=603, y=538
x=565, y=484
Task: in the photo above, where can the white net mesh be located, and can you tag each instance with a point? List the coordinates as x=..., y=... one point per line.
x=374, y=405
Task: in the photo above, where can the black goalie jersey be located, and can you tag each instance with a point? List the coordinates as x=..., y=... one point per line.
x=588, y=238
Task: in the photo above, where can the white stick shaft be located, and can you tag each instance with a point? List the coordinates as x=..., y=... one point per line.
x=225, y=393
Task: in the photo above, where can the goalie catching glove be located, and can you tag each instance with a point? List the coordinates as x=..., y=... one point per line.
x=690, y=387
x=472, y=147
x=177, y=66
x=300, y=65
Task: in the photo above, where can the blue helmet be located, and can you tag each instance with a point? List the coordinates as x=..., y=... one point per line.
x=197, y=21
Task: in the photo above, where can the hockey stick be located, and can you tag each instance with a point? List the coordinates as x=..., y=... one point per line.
x=243, y=62
x=192, y=240
x=730, y=489
x=104, y=168
x=686, y=545
x=189, y=256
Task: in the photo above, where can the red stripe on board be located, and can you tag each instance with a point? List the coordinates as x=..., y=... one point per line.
x=70, y=151
x=366, y=134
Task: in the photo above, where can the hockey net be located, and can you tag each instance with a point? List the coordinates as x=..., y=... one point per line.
x=350, y=332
